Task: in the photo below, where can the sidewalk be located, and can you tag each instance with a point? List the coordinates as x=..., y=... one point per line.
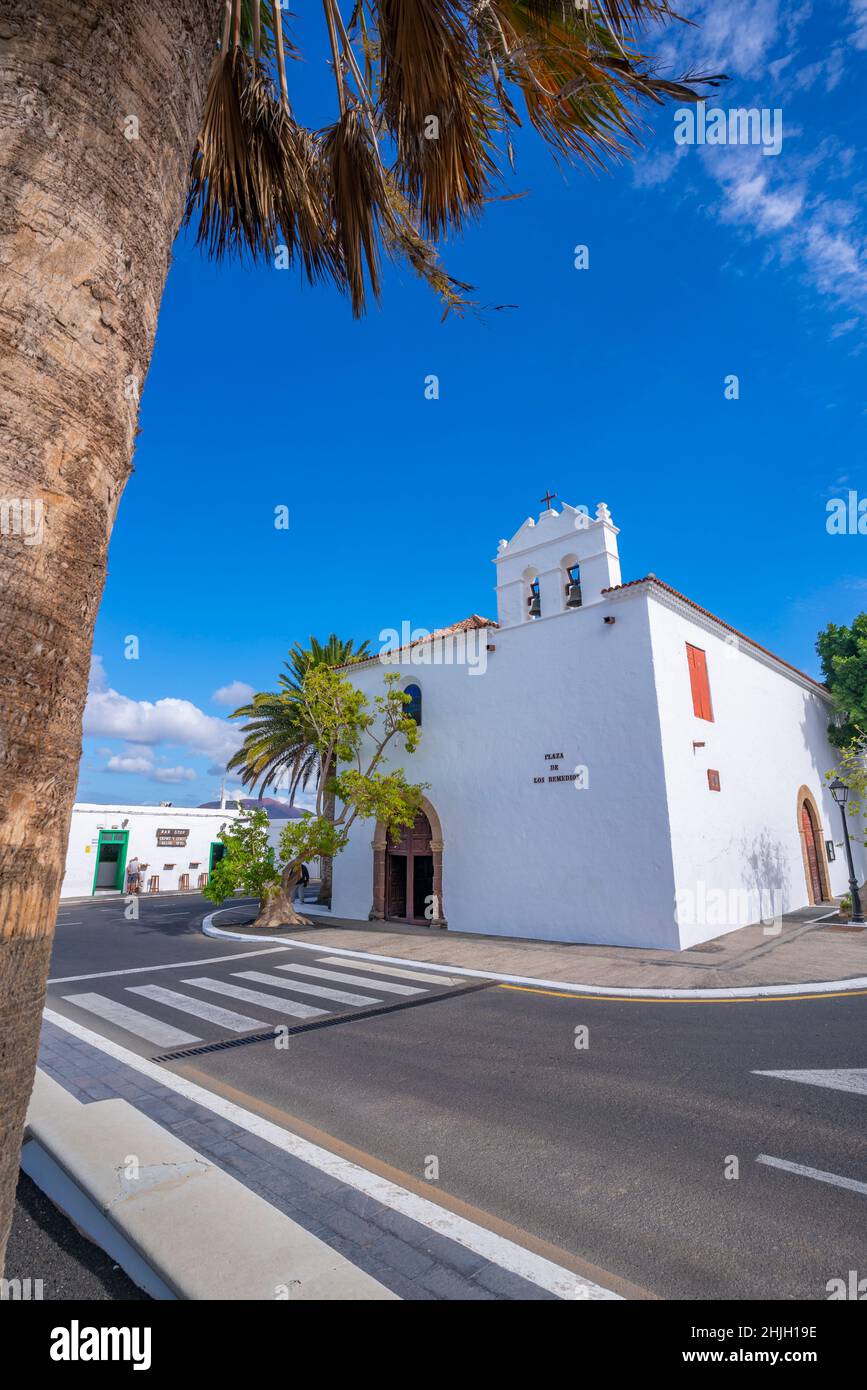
x=198, y=1197
x=805, y=951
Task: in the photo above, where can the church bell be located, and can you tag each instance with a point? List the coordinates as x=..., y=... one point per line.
x=573, y=595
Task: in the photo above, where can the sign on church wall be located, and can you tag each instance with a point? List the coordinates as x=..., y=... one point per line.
x=554, y=765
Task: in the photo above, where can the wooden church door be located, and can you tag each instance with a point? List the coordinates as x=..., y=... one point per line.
x=812, y=846
x=409, y=872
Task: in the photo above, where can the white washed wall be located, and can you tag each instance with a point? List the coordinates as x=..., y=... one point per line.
x=546, y=860
x=767, y=739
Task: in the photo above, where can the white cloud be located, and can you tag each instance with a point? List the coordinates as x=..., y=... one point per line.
x=140, y=763
x=785, y=200
x=174, y=774
x=97, y=680
x=234, y=694
x=108, y=714
x=750, y=197
x=731, y=36
x=658, y=167
x=858, y=17
x=122, y=763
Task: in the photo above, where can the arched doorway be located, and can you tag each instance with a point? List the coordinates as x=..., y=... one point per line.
x=813, y=848
x=408, y=873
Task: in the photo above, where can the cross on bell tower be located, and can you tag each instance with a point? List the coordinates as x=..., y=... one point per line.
x=548, y=499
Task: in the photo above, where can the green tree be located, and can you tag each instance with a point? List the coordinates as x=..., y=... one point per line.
x=843, y=651
x=852, y=769
x=249, y=865
x=279, y=744
x=350, y=735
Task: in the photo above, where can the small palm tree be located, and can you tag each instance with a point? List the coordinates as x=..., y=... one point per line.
x=278, y=743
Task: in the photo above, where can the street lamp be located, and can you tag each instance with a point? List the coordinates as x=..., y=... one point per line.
x=840, y=793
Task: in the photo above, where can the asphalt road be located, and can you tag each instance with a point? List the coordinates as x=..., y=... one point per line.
x=45, y=1248
x=620, y=1153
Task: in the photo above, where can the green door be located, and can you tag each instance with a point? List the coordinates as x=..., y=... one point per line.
x=218, y=849
x=110, y=860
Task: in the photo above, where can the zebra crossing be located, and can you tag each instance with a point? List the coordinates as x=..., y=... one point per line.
x=227, y=1002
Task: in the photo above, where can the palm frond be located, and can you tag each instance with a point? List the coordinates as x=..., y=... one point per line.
x=278, y=744
x=427, y=94
x=438, y=109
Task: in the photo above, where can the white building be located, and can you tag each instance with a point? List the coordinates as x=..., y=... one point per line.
x=176, y=846
x=607, y=762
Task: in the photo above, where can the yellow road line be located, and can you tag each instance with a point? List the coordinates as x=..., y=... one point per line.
x=632, y=999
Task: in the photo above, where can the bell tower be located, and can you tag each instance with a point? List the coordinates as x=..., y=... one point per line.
x=557, y=564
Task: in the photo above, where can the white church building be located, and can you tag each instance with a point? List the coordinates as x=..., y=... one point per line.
x=606, y=762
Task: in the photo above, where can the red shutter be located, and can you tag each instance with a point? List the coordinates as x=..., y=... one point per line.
x=698, y=682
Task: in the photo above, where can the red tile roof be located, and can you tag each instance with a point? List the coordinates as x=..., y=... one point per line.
x=470, y=624
x=652, y=579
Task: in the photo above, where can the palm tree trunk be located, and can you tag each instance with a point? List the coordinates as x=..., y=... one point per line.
x=329, y=810
x=101, y=101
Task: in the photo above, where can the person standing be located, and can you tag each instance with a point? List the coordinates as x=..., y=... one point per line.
x=133, y=875
x=302, y=882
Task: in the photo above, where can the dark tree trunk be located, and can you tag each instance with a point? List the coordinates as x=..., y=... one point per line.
x=87, y=220
x=277, y=908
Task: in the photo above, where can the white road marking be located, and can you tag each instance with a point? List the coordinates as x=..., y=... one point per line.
x=507, y=1254
x=131, y=1020
x=254, y=996
x=199, y=1008
x=817, y=1173
x=394, y=970
x=176, y=965
x=386, y=985
x=838, y=1079
x=302, y=987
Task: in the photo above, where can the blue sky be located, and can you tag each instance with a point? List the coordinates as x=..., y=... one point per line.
x=602, y=384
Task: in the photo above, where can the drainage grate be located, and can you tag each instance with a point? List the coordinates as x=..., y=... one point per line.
x=329, y=1022
x=215, y=1046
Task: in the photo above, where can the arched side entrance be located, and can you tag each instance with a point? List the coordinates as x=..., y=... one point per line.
x=408, y=874
x=813, y=848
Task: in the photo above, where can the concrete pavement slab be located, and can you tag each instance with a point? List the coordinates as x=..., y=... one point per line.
x=206, y=1235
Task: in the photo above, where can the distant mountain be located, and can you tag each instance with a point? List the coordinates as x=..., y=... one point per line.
x=277, y=810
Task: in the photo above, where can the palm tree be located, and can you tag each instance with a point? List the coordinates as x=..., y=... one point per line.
x=121, y=117
x=278, y=744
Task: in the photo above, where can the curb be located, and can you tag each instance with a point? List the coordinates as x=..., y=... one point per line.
x=178, y=1225
x=797, y=988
